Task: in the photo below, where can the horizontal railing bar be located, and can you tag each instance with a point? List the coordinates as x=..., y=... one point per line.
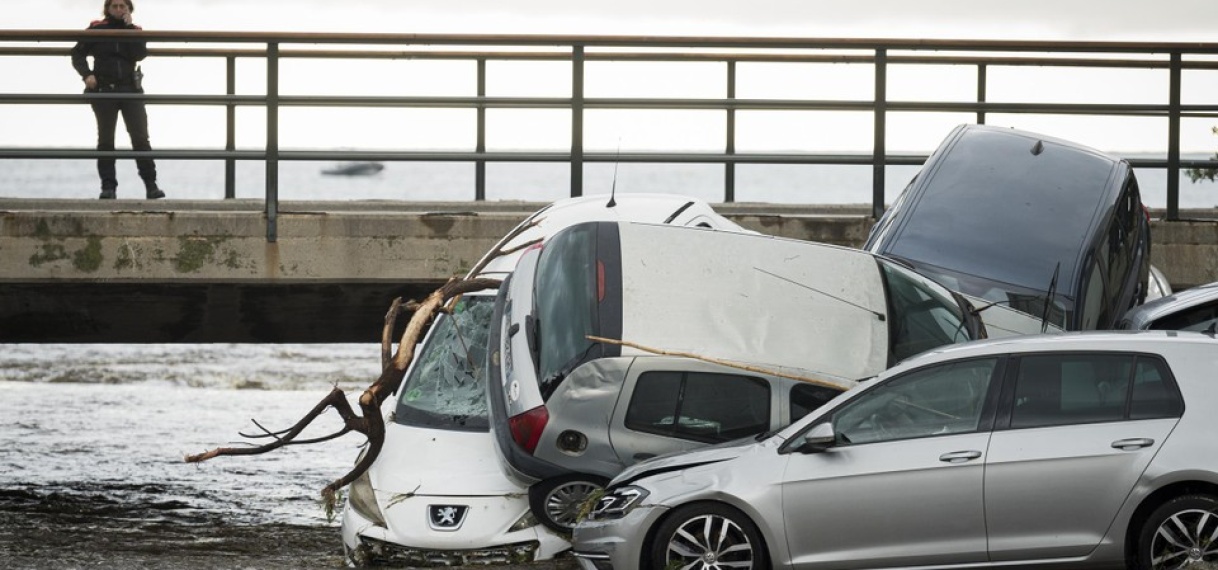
x=614, y=41
x=860, y=158
x=1115, y=109
x=641, y=56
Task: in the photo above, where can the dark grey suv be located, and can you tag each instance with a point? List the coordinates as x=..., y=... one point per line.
x=1042, y=225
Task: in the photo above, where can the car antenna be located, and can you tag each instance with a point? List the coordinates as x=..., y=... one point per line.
x=877, y=314
x=613, y=187
x=1044, y=316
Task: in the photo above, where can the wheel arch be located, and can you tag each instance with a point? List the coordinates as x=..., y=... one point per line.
x=1157, y=498
x=650, y=537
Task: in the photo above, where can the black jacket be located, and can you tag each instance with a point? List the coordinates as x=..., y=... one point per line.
x=113, y=61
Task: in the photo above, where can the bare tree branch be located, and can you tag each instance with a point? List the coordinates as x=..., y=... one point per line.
x=728, y=363
x=369, y=421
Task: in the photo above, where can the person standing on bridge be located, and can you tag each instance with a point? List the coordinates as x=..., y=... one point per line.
x=115, y=71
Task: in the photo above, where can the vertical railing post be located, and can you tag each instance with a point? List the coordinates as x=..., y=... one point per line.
x=1173, y=139
x=480, y=144
x=230, y=130
x=577, y=121
x=981, y=83
x=879, y=152
x=272, y=141
x=729, y=166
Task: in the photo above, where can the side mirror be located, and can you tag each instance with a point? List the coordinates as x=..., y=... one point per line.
x=818, y=439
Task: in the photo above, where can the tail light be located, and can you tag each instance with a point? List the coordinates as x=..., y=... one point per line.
x=527, y=427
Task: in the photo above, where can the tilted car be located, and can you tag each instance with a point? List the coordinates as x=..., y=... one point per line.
x=1194, y=309
x=569, y=412
x=1083, y=450
x=436, y=495
x=1042, y=225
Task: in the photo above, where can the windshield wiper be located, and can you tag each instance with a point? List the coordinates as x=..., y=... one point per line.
x=877, y=314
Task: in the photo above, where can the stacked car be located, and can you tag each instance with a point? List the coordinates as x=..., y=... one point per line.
x=748, y=401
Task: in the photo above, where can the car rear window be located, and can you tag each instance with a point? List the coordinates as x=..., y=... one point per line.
x=564, y=298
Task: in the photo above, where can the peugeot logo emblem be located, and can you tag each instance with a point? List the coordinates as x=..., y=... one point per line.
x=446, y=517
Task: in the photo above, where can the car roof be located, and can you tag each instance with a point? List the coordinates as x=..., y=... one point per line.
x=674, y=209
x=1141, y=316
x=1042, y=193
x=754, y=298
x=1077, y=341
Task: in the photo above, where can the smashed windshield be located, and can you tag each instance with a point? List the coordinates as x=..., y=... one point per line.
x=446, y=386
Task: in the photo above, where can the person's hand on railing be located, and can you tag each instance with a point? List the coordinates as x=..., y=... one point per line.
x=90, y=82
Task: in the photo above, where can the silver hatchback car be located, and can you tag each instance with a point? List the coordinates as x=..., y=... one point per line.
x=1081, y=450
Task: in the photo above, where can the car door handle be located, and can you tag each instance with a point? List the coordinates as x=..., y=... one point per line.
x=959, y=456
x=1133, y=443
x=642, y=456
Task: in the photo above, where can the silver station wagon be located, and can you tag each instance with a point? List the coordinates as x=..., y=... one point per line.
x=1083, y=450
x=568, y=412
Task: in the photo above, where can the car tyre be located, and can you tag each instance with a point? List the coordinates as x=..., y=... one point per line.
x=702, y=536
x=1180, y=533
x=558, y=502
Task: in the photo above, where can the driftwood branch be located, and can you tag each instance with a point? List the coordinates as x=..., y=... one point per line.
x=394, y=363
x=738, y=365
x=368, y=420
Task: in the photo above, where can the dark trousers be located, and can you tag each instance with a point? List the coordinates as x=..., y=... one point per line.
x=135, y=117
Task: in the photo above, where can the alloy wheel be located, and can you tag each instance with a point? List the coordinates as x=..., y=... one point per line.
x=564, y=502
x=1187, y=538
x=709, y=542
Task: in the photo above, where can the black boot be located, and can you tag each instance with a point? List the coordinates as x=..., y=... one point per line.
x=153, y=192
x=108, y=194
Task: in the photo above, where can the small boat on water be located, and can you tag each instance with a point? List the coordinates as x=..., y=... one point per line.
x=354, y=169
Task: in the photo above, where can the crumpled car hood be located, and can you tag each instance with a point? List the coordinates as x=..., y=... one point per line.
x=684, y=460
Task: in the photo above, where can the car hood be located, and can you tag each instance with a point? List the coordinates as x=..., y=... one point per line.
x=684, y=460
x=423, y=461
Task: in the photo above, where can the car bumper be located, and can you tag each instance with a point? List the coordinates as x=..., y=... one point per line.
x=408, y=540
x=615, y=543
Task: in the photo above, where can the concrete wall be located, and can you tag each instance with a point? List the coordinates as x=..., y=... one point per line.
x=399, y=242
x=172, y=271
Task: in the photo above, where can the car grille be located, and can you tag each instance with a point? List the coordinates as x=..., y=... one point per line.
x=381, y=553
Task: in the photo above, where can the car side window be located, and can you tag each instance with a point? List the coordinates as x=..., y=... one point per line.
x=1153, y=395
x=1197, y=318
x=940, y=400
x=699, y=406
x=1064, y=389
x=806, y=398
x=1095, y=298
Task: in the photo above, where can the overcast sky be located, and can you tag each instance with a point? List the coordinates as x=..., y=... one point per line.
x=1163, y=20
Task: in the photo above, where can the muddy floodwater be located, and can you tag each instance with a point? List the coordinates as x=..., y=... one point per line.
x=91, y=469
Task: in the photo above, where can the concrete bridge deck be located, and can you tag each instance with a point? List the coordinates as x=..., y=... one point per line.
x=203, y=271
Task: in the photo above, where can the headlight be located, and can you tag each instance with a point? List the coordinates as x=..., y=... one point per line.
x=527, y=520
x=363, y=500
x=618, y=502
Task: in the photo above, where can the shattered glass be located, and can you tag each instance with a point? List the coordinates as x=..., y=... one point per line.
x=446, y=387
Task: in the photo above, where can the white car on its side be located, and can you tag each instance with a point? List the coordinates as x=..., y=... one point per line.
x=436, y=495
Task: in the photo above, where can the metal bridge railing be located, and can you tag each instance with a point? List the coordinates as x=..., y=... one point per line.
x=578, y=50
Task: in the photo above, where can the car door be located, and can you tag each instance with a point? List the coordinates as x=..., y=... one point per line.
x=1075, y=432
x=903, y=484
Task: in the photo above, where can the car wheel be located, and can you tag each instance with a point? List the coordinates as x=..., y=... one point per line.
x=705, y=536
x=1180, y=533
x=557, y=502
